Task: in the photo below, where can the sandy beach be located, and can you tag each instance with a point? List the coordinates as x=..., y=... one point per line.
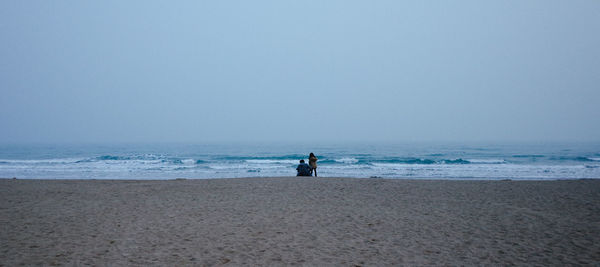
x=299, y=221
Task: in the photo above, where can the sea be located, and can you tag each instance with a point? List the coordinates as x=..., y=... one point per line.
x=515, y=161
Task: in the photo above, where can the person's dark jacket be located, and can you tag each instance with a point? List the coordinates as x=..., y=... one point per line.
x=304, y=170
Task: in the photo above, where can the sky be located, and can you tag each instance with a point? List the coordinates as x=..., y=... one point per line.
x=225, y=71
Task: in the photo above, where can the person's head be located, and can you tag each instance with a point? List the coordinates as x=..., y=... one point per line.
x=311, y=154
x=301, y=161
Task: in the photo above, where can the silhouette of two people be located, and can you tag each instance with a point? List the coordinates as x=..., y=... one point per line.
x=308, y=169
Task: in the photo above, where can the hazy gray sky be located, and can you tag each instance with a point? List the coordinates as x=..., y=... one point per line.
x=200, y=71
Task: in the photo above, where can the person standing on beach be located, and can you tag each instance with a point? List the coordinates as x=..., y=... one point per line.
x=312, y=161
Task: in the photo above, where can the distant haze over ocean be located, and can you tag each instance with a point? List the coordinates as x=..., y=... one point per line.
x=315, y=71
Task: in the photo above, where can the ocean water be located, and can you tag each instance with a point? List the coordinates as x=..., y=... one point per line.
x=409, y=160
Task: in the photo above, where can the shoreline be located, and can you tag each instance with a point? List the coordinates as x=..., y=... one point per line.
x=307, y=177
x=299, y=221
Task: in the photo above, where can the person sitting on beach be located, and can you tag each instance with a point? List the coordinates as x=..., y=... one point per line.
x=303, y=169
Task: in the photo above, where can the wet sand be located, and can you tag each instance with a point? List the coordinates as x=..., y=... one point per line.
x=299, y=221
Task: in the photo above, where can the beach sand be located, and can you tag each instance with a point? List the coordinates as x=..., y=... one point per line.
x=299, y=221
